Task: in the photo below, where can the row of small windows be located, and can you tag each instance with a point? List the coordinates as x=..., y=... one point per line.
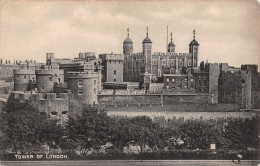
x=114, y=61
x=173, y=80
x=80, y=91
x=179, y=87
x=80, y=82
x=181, y=63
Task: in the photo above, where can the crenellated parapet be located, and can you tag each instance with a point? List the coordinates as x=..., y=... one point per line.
x=49, y=72
x=83, y=75
x=24, y=72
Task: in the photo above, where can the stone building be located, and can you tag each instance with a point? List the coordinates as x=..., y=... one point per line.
x=157, y=64
x=83, y=86
x=240, y=86
x=175, y=83
x=56, y=107
x=112, y=67
x=24, y=79
x=47, y=76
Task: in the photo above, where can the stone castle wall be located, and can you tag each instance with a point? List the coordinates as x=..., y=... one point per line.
x=22, y=77
x=84, y=86
x=152, y=99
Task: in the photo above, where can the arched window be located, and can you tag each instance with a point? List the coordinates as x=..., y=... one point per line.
x=114, y=72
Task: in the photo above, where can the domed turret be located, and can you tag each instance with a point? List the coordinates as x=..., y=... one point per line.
x=147, y=53
x=193, y=49
x=171, y=46
x=194, y=42
x=128, y=41
x=127, y=45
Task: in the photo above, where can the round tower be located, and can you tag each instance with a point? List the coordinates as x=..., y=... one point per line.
x=193, y=49
x=127, y=45
x=171, y=46
x=47, y=77
x=147, y=53
x=22, y=78
x=84, y=86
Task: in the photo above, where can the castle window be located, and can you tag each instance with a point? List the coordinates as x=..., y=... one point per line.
x=50, y=78
x=191, y=80
x=185, y=87
x=64, y=112
x=54, y=113
x=199, y=77
x=80, y=82
x=114, y=72
x=205, y=90
x=42, y=87
x=199, y=89
x=167, y=79
x=167, y=87
x=24, y=77
x=185, y=80
x=80, y=91
x=181, y=63
x=94, y=90
x=173, y=80
x=205, y=83
x=59, y=79
x=94, y=82
x=173, y=86
x=114, y=80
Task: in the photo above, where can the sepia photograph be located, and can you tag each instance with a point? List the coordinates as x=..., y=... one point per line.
x=129, y=83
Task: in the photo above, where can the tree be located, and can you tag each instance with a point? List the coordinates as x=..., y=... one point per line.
x=87, y=131
x=119, y=134
x=242, y=133
x=144, y=132
x=197, y=134
x=24, y=129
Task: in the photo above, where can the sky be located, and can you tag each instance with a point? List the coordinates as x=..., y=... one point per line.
x=227, y=31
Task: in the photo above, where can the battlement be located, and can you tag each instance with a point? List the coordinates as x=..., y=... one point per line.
x=49, y=55
x=249, y=67
x=49, y=67
x=213, y=64
x=86, y=54
x=137, y=54
x=83, y=74
x=116, y=57
x=168, y=54
x=24, y=71
x=29, y=95
x=49, y=72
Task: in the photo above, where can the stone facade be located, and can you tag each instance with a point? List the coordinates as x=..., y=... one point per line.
x=112, y=67
x=47, y=76
x=136, y=64
x=83, y=86
x=47, y=103
x=23, y=78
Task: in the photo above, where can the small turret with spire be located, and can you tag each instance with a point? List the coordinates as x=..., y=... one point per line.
x=147, y=39
x=171, y=46
x=193, y=49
